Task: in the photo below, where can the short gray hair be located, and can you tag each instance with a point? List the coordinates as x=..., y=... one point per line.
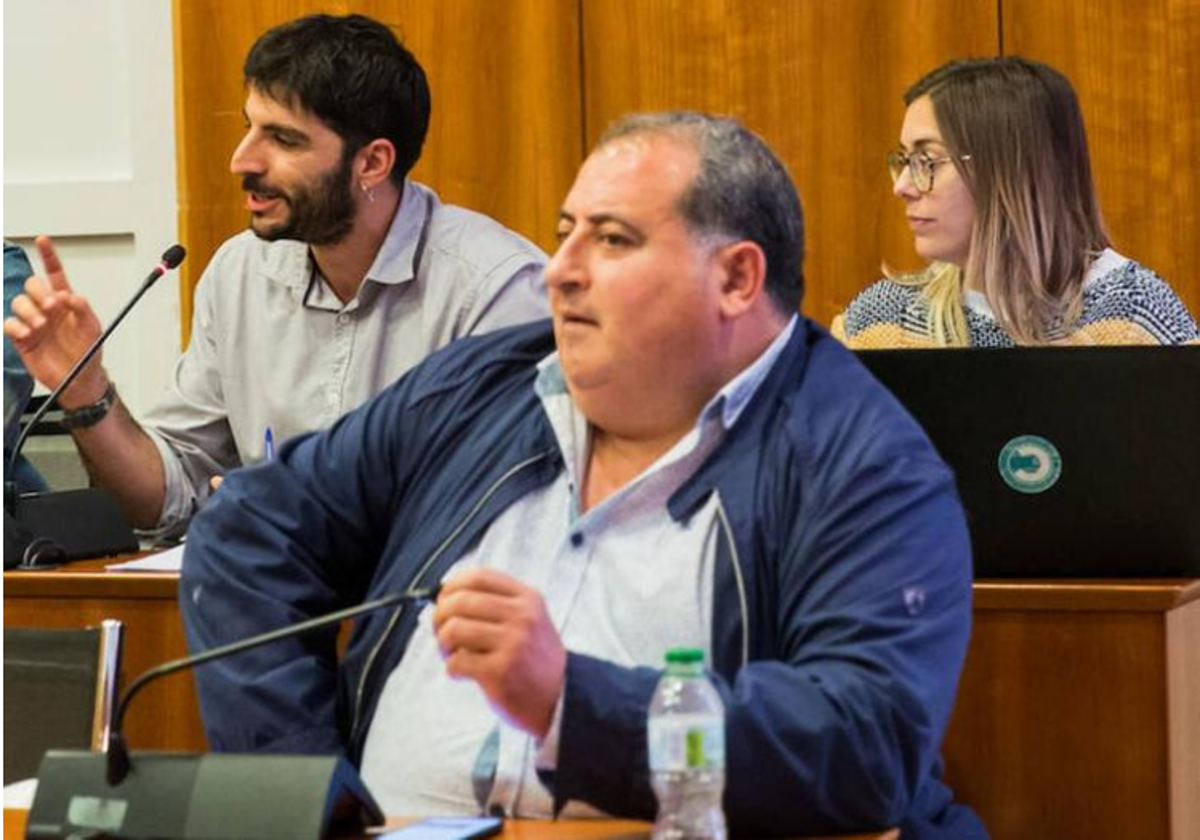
x=742, y=191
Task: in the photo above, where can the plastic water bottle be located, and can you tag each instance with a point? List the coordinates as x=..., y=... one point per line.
x=686, y=732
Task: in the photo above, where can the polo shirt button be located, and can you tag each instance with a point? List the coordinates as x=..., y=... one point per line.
x=577, y=539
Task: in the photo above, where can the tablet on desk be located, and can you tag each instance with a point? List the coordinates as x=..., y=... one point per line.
x=448, y=828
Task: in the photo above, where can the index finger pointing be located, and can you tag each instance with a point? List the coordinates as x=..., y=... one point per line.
x=55, y=276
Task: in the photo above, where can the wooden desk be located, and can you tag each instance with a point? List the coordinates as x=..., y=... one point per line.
x=14, y=826
x=165, y=716
x=1078, y=712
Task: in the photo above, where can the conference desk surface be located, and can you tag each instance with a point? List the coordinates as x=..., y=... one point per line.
x=91, y=579
x=1078, y=711
x=14, y=826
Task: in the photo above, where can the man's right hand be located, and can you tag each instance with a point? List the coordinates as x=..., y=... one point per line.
x=52, y=327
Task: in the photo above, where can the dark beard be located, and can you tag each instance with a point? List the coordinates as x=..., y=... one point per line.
x=320, y=215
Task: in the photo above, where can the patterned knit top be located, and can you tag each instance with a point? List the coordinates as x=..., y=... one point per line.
x=1123, y=303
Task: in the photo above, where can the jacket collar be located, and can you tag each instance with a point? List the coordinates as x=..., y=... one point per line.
x=782, y=380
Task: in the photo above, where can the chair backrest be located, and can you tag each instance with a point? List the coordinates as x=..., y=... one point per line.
x=50, y=424
x=59, y=692
x=50, y=456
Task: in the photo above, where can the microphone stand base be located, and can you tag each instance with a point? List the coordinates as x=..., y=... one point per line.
x=214, y=795
x=46, y=529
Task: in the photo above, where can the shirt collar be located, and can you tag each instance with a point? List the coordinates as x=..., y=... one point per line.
x=400, y=254
x=291, y=262
x=732, y=399
x=725, y=407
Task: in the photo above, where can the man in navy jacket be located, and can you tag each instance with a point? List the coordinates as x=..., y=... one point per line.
x=676, y=458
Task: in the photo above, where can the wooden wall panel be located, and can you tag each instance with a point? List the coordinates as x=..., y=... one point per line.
x=1074, y=742
x=1136, y=67
x=506, y=127
x=821, y=82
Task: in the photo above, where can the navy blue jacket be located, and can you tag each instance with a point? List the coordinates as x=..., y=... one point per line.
x=841, y=597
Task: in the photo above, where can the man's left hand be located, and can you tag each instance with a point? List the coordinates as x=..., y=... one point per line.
x=495, y=630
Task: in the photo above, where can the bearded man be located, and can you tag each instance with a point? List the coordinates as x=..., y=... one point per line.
x=349, y=275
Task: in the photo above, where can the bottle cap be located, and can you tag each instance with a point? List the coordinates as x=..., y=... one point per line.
x=684, y=656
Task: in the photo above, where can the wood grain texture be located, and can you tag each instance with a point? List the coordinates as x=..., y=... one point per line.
x=212, y=38
x=1095, y=595
x=166, y=714
x=507, y=120
x=505, y=137
x=1076, y=713
x=1183, y=718
x=15, y=819
x=1136, y=68
x=821, y=82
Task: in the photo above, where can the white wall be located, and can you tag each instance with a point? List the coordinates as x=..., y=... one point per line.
x=89, y=158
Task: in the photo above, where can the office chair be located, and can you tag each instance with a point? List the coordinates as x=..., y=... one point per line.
x=59, y=692
x=50, y=450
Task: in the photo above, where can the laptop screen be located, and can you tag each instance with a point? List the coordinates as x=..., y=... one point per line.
x=1071, y=462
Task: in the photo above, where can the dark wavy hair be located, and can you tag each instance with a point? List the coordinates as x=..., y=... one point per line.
x=353, y=74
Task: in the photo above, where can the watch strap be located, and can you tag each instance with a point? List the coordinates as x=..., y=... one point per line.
x=89, y=415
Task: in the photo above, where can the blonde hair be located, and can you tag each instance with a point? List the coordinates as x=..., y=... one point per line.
x=941, y=292
x=1037, y=223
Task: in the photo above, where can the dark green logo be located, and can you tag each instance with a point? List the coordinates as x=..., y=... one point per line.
x=1030, y=464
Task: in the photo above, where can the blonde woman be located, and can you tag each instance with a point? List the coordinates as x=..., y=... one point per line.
x=994, y=173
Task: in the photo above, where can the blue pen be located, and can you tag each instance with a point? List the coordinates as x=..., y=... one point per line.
x=269, y=445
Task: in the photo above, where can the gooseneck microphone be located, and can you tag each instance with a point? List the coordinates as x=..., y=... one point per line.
x=215, y=795
x=43, y=529
x=118, y=762
x=171, y=258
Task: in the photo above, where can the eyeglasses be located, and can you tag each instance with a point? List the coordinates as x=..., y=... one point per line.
x=921, y=167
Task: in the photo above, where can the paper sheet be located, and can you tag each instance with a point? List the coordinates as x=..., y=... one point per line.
x=170, y=560
x=20, y=794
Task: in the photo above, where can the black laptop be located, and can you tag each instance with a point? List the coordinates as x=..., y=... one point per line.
x=1071, y=462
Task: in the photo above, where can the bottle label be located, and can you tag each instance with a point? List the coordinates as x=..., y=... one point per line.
x=686, y=742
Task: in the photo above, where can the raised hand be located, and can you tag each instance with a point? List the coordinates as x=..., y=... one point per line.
x=51, y=327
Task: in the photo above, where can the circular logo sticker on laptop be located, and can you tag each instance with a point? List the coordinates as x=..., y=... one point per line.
x=1030, y=464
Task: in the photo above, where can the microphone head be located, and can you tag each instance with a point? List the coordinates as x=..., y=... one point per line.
x=173, y=256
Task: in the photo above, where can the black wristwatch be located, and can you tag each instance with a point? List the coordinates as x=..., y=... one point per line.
x=89, y=415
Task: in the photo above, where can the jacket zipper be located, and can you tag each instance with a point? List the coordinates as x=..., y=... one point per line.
x=736, y=560
x=399, y=611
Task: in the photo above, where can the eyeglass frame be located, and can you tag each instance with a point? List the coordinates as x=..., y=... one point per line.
x=898, y=161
